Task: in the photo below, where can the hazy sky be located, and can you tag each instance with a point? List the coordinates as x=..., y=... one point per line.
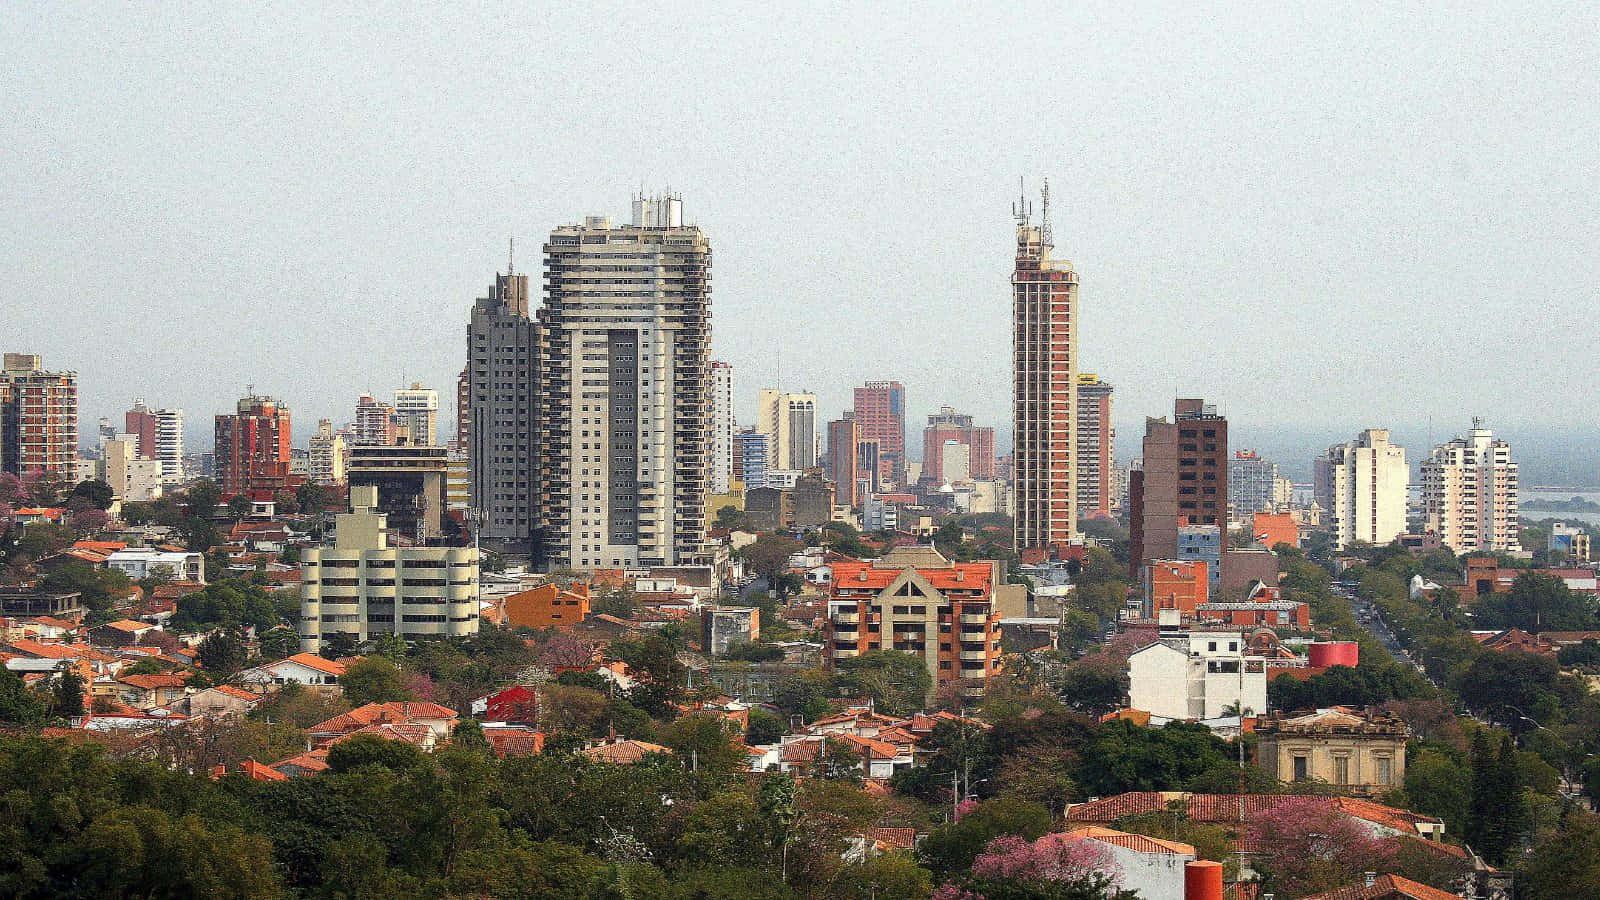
x=1337, y=216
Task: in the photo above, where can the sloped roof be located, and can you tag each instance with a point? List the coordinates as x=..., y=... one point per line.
x=893, y=838
x=1137, y=842
x=944, y=576
x=128, y=625
x=513, y=742
x=1385, y=887
x=399, y=712
x=311, y=761
x=625, y=752
x=311, y=661
x=404, y=732
x=154, y=682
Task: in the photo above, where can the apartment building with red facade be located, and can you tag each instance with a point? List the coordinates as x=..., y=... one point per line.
x=38, y=419
x=252, y=448
x=880, y=414
x=948, y=425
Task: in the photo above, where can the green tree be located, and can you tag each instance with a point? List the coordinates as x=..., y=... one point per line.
x=1438, y=784
x=363, y=750
x=19, y=706
x=468, y=735
x=764, y=727
x=1536, y=602
x=68, y=693
x=704, y=741
x=222, y=653
x=1565, y=860
x=96, y=493
x=769, y=555
x=374, y=680
x=889, y=876
x=951, y=848
x=239, y=506
x=897, y=682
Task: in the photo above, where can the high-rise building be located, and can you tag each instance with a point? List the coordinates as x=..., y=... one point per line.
x=844, y=436
x=790, y=423
x=410, y=480
x=880, y=413
x=375, y=424
x=722, y=427
x=327, y=454
x=753, y=458
x=362, y=587
x=626, y=397
x=1469, y=493
x=948, y=425
x=503, y=387
x=416, y=413
x=132, y=476
x=1044, y=355
x=1361, y=486
x=38, y=419
x=1255, y=485
x=1184, y=481
x=159, y=434
x=1096, y=448
x=463, y=435
x=252, y=448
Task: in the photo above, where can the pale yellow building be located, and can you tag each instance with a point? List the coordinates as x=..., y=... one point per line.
x=1364, y=753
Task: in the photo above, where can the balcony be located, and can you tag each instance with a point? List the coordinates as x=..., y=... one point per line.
x=974, y=619
x=974, y=655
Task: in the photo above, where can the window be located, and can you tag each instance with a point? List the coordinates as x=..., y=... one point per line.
x=1300, y=773
x=1341, y=770
x=1385, y=767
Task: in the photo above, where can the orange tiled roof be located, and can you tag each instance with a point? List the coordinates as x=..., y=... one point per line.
x=312, y=761
x=252, y=769
x=958, y=576
x=513, y=742
x=398, y=712
x=154, y=682
x=624, y=752
x=236, y=692
x=128, y=625
x=405, y=732
x=313, y=661
x=1137, y=842
x=1385, y=887
x=893, y=838
x=1214, y=808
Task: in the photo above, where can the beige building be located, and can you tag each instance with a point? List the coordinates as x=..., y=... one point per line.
x=790, y=423
x=1362, y=484
x=1469, y=493
x=133, y=478
x=328, y=454
x=1364, y=753
x=363, y=587
x=416, y=412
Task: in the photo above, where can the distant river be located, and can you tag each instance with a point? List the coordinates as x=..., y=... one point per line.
x=1527, y=495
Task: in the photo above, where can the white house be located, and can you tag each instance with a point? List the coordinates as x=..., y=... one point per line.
x=1197, y=675
x=1150, y=866
x=302, y=668
x=138, y=562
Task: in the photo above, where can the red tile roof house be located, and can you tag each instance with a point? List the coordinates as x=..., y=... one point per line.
x=1226, y=809
x=307, y=669
x=221, y=701
x=439, y=720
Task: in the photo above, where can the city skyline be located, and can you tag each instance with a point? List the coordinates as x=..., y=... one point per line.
x=1223, y=196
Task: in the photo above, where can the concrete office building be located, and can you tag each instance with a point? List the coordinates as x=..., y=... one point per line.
x=38, y=418
x=1044, y=352
x=327, y=454
x=1361, y=485
x=947, y=425
x=252, y=448
x=1184, y=481
x=1254, y=486
x=844, y=437
x=723, y=428
x=410, y=481
x=159, y=435
x=626, y=397
x=790, y=423
x=1469, y=493
x=1096, y=450
x=502, y=439
x=362, y=587
x=880, y=413
x=416, y=413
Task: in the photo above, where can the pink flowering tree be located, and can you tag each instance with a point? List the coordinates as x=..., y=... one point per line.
x=1054, y=866
x=1307, y=845
x=563, y=651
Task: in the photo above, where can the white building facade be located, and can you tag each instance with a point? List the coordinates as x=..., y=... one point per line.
x=1197, y=675
x=1361, y=485
x=723, y=427
x=790, y=423
x=1469, y=493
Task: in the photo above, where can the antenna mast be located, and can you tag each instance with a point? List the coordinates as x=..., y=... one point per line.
x=511, y=258
x=1021, y=210
x=1044, y=216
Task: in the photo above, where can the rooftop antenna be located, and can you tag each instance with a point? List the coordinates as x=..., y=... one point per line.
x=1022, y=209
x=511, y=257
x=1044, y=215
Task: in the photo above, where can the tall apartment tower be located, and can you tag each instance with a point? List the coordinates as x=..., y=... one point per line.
x=1255, y=485
x=753, y=457
x=790, y=423
x=947, y=425
x=38, y=418
x=327, y=454
x=1361, y=485
x=416, y=414
x=626, y=397
x=880, y=413
x=252, y=447
x=463, y=434
x=1044, y=355
x=1096, y=448
x=1184, y=481
x=159, y=434
x=375, y=424
x=502, y=438
x=722, y=427
x=1469, y=493
x=844, y=439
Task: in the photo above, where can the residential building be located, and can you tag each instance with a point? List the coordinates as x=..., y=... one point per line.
x=722, y=427
x=1197, y=675
x=789, y=422
x=145, y=562
x=503, y=440
x=304, y=669
x=159, y=435
x=21, y=602
x=327, y=454
x=462, y=440
x=1255, y=485
x=252, y=448
x=1175, y=584
x=1151, y=868
x=38, y=418
x=547, y=606
x=132, y=477
x=1044, y=353
x=410, y=481
x=752, y=459
x=724, y=627
x=626, y=399
x=844, y=436
x=375, y=424
x=457, y=481
x=1570, y=540
x=1469, y=493
x=1096, y=450
x=1361, y=484
x=946, y=426
x=1271, y=529
x=416, y=413
x=915, y=600
x=1365, y=753
x=1184, y=480
x=363, y=587
x=1203, y=543
x=880, y=413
